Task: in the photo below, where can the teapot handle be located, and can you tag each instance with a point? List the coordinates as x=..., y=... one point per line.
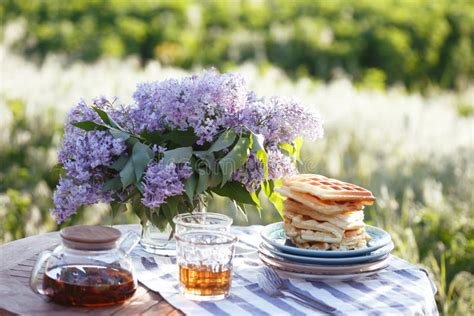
x=44, y=255
x=129, y=241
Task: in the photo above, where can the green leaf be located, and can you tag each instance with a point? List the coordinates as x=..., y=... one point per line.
x=58, y=170
x=298, y=144
x=127, y=174
x=215, y=178
x=119, y=134
x=258, y=141
x=152, y=137
x=288, y=148
x=140, y=187
x=235, y=159
x=203, y=182
x=137, y=207
x=225, y=140
x=119, y=163
x=131, y=141
x=181, y=138
x=103, y=115
x=274, y=197
x=235, y=191
x=170, y=210
x=241, y=208
x=159, y=219
x=112, y=184
x=190, y=187
x=177, y=138
x=268, y=187
x=258, y=148
x=178, y=155
x=207, y=157
x=141, y=156
x=277, y=201
x=256, y=200
x=173, y=202
x=117, y=207
x=90, y=126
x=58, y=166
x=105, y=118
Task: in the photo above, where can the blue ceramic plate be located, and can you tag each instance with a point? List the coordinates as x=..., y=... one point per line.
x=375, y=255
x=274, y=235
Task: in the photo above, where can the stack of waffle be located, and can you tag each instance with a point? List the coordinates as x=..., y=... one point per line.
x=324, y=214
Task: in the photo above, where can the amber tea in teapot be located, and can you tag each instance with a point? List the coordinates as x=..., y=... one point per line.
x=91, y=268
x=89, y=286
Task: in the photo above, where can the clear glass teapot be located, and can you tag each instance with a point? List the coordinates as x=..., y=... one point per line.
x=91, y=267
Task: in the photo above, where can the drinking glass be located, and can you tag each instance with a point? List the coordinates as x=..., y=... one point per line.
x=202, y=221
x=205, y=264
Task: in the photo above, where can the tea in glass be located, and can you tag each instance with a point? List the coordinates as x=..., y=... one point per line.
x=202, y=280
x=205, y=264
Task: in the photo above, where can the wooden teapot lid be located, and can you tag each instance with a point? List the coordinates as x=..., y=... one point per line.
x=90, y=237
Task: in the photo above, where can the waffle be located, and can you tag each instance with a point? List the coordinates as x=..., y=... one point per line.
x=325, y=214
x=346, y=220
x=309, y=239
x=306, y=235
x=331, y=246
x=329, y=189
x=301, y=222
x=315, y=203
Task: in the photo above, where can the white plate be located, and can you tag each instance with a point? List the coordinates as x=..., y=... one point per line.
x=322, y=277
x=326, y=270
x=375, y=255
x=274, y=234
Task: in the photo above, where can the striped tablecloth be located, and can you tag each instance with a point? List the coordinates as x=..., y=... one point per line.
x=401, y=288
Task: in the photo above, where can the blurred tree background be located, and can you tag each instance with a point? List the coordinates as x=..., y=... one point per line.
x=392, y=78
x=418, y=43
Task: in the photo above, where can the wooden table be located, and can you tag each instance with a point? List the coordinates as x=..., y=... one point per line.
x=16, y=262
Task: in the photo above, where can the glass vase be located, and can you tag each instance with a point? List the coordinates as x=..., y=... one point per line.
x=156, y=241
x=159, y=242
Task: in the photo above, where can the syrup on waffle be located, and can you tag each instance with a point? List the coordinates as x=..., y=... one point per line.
x=329, y=189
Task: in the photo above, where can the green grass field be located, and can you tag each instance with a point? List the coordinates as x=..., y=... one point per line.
x=414, y=152
x=392, y=79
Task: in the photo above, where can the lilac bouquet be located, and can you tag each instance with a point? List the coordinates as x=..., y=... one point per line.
x=180, y=141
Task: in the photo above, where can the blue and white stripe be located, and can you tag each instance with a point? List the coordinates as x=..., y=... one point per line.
x=400, y=289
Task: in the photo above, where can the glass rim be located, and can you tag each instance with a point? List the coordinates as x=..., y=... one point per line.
x=232, y=238
x=178, y=219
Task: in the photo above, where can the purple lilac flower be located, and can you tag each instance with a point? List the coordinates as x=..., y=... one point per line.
x=158, y=149
x=279, y=164
x=84, y=155
x=162, y=181
x=280, y=120
x=208, y=104
x=70, y=195
x=83, y=151
x=250, y=174
x=101, y=102
x=191, y=102
x=205, y=103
